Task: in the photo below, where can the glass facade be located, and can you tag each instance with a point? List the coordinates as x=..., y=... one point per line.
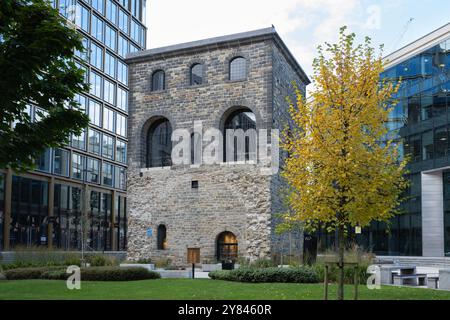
x=420, y=126
x=105, y=27
x=29, y=208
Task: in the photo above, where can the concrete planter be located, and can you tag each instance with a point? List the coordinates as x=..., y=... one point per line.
x=150, y=267
x=211, y=267
x=444, y=279
x=175, y=274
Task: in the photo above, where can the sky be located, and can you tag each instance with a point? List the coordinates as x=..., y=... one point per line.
x=302, y=24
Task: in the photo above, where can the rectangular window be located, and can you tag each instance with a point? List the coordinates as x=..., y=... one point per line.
x=134, y=31
x=120, y=178
x=121, y=151
x=111, y=11
x=108, y=147
x=111, y=37
x=98, y=5
x=83, y=55
x=110, y=64
x=427, y=144
x=109, y=91
x=123, y=46
x=108, y=119
x=94, y=141
x=43, y=162
x=125, y=3
x=79, y=142
x=61, y=162
x=85, y=72
x=82, y=101
x=97, y=28
x=67, y=8
x=82, y=17
x=96, y=84
x=78, y=166
x=133, y=48
x=108, y=174
x=123, y=21
x=96, y=56
x=121, y=125
x=441, y=142
x=122, y=99
x=122, y=72
x=93, y=170
x=95, y=113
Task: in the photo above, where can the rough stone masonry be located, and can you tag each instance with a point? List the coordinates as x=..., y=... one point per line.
x=231, y=197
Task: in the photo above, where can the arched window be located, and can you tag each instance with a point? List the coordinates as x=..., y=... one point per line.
x=158, y=80
x=196, y=74
x=238, y=147
x=159, y=144
x=238, y=69
x=162, y=237
x=227, y=247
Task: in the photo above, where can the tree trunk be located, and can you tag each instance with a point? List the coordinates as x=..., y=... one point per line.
x=341, y=249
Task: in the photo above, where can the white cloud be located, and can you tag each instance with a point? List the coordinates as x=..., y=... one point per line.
x=303, y=24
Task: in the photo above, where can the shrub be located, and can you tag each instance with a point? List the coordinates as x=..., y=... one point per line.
x=258, y=264
x=268, y=275
x=144, y=261
x=72, y=259
x=99, y=260
x=117, y=274
x=87, y=274
x=163, y=263
x=29, y=273
x=349, y=272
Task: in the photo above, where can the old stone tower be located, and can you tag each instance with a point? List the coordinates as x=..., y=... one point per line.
x=227, y=209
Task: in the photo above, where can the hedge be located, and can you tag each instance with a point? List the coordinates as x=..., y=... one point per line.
x=87, y=274
x=268, y=275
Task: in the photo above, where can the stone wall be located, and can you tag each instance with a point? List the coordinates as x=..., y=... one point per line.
x=236, y=198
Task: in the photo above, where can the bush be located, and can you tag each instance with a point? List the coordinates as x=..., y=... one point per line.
x=268, y=275
x=29, y=273
x=163, y=263
x=258, y=264
x=349, y=273
x=117, y=274
x=144, y=261
x=87, y=274
x=99, y=260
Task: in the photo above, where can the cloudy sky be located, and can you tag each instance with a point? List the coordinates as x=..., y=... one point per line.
x=303, y=24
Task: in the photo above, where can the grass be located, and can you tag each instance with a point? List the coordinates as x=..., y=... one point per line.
x=199, y=289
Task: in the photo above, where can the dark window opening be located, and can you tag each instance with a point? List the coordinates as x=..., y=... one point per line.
x=162, y=237
x=241, y=120
x=158, y=81
x=227, y=247
x=196, y=74
x=159, y=144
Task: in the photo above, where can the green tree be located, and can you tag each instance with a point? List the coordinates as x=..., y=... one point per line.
x=36, y=66
x=342, y=169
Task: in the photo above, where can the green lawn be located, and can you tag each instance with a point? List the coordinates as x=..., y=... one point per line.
x=178, y=289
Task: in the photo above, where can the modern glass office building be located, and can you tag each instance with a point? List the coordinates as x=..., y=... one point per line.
x=43, y=208
x=420, y=125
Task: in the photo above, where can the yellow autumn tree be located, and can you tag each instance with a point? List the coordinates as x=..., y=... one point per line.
x=342, y=169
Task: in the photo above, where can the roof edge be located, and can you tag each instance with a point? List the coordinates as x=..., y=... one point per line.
x=217, y=42
x=423, y=43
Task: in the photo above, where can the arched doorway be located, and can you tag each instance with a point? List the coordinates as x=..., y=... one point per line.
x=227, y=246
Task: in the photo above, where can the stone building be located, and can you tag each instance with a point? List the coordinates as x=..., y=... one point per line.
x=227, y=209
